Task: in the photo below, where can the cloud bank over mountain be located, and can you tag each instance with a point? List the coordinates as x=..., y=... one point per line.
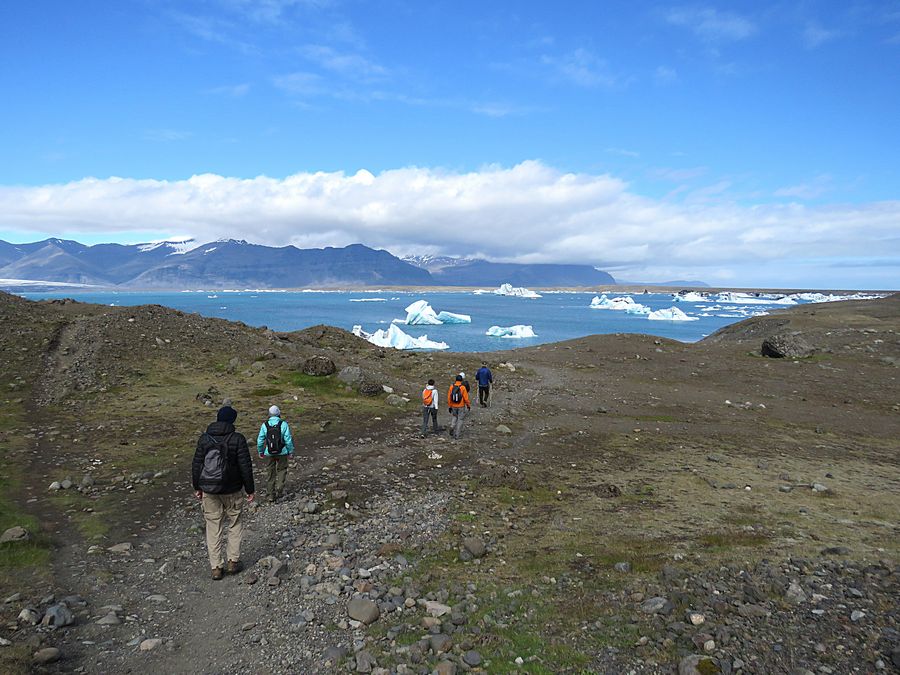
x=530, y=212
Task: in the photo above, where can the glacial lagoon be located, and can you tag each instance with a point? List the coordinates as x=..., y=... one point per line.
x=554, y=316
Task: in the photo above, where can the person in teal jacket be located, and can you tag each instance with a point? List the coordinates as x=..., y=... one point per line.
x=275, y=444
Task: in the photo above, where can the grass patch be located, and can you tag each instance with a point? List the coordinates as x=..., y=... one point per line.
x=267, y=391
x=327, y=386
x=721, y=542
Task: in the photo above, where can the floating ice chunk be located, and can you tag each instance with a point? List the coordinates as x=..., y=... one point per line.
x=450, y=317
x=749, y=299
x=517, y=331
x=509, y=289
x=420, y=313
x=396, y=338
x=689, y=296
x=670, y=314
x=367, y=300
x=624, y=304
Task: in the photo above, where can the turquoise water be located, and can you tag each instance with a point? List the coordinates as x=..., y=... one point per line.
x=554, y=317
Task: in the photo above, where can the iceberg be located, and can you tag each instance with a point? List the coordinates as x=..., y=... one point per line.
x=509, y=289
x=749, y=299
x=518, y=331
x=420, y=313
x=689, y=296
x=625, y=304
x=670, y=314
x=396, y=338
x=451, y=317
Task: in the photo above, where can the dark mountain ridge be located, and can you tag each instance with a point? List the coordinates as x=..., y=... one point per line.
x=239, y=264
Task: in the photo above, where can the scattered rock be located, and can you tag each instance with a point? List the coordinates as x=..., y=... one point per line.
x=396, y=400
x=318, y=366
x=370, y=389
x=472, y=658
x=351, y=375
x=150, y=644
x=436, y=609
x=57, y=616
x=474, y=546
x=503, y=429
x=16, y=533
x=124, y=547
x=654, y=605
x=46, y=655
x=363, y=610
x=786, y=346
x=794, y=594
x=365, y=662
x=29, y=616
x=623, y=567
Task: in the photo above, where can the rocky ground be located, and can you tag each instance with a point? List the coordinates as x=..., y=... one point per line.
x=627, y=504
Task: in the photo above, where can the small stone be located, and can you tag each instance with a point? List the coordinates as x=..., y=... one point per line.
x=150, y=644
x=446, y=668
x=365, y=662
x=503, y=429
x=622, y=567
x=753, y=611
x=696, y=618
x=441, y=643
x=157, y=598
x=474, y=546
x=124, y=547
x=57, y=616
x=653, y=605
x=836, y=550
x=818, y=487
x=46, y=655
x=363, y=610
x=795, y=594
x=250, y=625
x=110, y=619
x=436, y=609
x=856, y=615
x=472, y=658
x=709, y=645
x=29, y=616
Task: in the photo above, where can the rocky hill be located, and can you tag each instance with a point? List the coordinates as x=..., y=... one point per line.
x=702, y=509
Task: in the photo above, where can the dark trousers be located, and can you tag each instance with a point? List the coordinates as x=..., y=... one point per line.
x=483, y=393
x=426, y=413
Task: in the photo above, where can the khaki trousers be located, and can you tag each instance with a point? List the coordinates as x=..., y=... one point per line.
x=277, y=471
x=217, y=509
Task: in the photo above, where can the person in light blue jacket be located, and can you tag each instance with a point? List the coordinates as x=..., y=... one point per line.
x=275, y=444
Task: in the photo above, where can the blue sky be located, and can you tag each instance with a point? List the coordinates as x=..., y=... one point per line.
x=727, y=122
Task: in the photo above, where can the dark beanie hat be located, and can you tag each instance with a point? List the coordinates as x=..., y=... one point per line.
x=226, y=414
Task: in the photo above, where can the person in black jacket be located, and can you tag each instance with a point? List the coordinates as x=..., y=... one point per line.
x=219, y=489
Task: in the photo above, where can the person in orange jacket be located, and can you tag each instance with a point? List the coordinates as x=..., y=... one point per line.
x=458, y=402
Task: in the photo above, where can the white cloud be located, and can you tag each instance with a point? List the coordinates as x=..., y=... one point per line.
x=712, y=24
x=166, y=135
x=665, y=75
x=529, y=212
x=349, y=65
x=815, y=35
x=232, y=90
x=582, y=68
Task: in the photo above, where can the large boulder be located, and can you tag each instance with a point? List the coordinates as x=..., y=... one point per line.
x=370, y=389
x=786, y=346
x=351, y=375
x=16, y=533
x=318, y=366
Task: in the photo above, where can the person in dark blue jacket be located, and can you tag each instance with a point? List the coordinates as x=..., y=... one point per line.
x=484, y=378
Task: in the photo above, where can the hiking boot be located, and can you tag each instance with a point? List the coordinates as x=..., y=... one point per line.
x=233, y=567
x=217, y=573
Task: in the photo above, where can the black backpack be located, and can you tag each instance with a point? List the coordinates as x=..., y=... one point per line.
x=215, y=474
x=456, y=394
x=274, y=439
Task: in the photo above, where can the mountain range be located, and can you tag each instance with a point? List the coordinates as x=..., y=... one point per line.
x=231, y=263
